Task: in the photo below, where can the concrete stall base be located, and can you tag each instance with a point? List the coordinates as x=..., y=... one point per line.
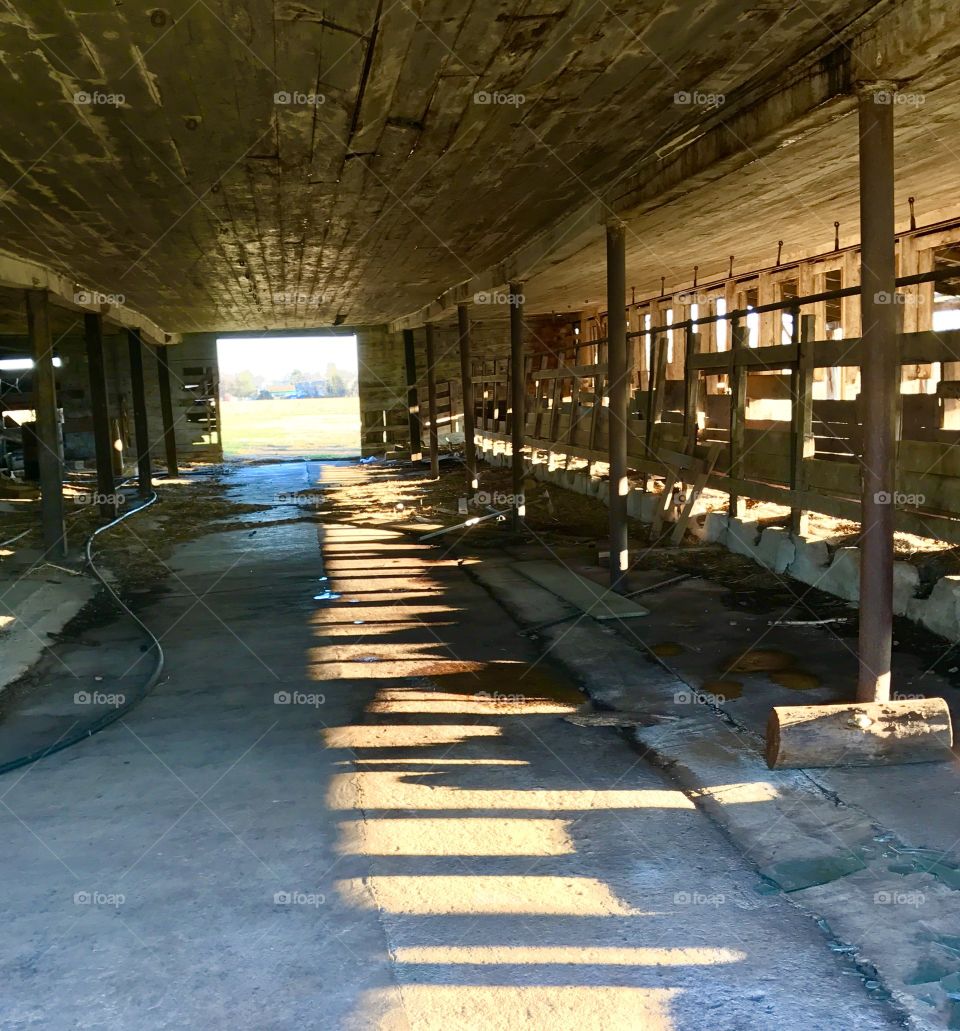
x=811, y=561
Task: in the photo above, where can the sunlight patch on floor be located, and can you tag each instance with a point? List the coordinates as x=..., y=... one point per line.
x=389, y=789
x=480, y=894
x=403, y=736
x=533, y=1008
x=458, y=836
x=587, y=955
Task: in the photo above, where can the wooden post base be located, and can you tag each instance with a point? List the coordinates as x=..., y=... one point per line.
x=859, y=734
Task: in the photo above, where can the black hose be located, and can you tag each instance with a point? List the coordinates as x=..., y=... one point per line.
x=114, y=714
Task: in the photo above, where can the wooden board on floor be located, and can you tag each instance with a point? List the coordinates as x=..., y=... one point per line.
x=592, y=598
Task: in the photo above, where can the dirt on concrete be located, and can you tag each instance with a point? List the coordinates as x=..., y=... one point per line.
x=403, y=495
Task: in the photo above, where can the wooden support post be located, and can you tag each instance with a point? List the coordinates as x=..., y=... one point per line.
x=660, y=379
x=49, y=452
x=413, y=402
x=692, y=390
x=738, y=412
x=658, y=368
x=166, y=411
x=862, y=734
x=618, y=373
x=880, y=387
x=692, y=384
x=518, y=394
x=100, y=411
x=466, y=379
x=117, y=424
x=802, y=444
x=140, y=422
x=434, y=430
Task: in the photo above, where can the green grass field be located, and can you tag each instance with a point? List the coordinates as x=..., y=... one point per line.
x=322, y=427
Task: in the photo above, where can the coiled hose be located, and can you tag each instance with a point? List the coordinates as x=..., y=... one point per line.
x=95, y=725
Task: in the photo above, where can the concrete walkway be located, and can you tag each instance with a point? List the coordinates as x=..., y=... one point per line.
x=354, y=803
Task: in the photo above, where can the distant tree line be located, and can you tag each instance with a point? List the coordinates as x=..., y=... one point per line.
x=335, y=382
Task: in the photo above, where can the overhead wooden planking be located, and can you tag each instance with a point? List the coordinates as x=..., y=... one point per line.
x=415, y=208
x=64, y=292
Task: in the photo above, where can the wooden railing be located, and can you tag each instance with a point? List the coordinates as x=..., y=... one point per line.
x=806, y=458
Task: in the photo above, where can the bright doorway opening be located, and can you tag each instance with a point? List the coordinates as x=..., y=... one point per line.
x=289, y=397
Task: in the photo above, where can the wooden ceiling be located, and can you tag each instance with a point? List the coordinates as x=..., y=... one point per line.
x=151, y=152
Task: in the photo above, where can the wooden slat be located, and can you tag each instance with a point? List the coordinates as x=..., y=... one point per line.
x=738, y=404
x=802, y=441
x=776, y=357
x=566, y=371
x=767, y=442
x=915, y=456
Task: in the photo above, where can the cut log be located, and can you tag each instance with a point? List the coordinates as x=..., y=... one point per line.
x=859, y=734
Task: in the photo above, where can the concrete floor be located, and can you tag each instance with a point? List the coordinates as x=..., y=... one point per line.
x=343, y=809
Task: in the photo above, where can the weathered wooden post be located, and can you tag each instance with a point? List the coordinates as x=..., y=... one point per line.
x=413, y=401
x=100, y=412
x=738, y=411
x=49, y=455
x=518, y=399
x=874, y=729
x=880, y=384
x=140, y=422
x=617, y=376
x=802, y=444
x=432, y=403
x=466, y=381
x=166, y=411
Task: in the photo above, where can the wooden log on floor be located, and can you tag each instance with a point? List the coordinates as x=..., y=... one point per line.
x=859, y=734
